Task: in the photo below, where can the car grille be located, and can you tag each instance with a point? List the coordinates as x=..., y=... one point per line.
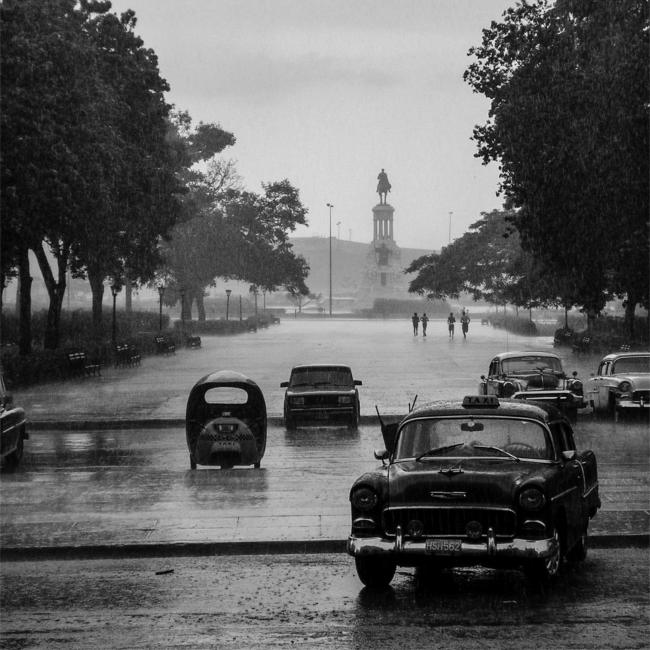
x=639, y=395
x=452, y=521
x=321, y=400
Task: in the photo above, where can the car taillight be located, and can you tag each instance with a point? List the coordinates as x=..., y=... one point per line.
x=532, y=499
x=363, y=498
x=625, y=387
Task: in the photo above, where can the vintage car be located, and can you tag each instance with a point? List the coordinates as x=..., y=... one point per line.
x=13, y=428
x=534, y=376
x=321, y=393
x=225, y=421
x=621, y=384
x=482, y=481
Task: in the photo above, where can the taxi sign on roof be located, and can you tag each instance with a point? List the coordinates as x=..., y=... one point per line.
x=480, y=401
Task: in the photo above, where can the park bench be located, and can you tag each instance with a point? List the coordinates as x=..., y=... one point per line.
x=582, y=346
x=126, y=355
x=164, y=345
x=193, y=341
x=80, y=366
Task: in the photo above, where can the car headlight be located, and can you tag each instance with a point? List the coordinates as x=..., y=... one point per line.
x=345, y=399
x=532, y=499
x=509, y=388
x=298, y=401
x=625, y=387
x=576, y=387
x=363, y=498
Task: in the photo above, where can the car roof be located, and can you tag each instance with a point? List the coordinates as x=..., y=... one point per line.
x=527, y=353
x=321, y=366
x=507, y=408
x=620, y=355
x=225, y=377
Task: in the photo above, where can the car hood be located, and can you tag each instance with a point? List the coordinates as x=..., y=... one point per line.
x=312, y=390
x=461, y=481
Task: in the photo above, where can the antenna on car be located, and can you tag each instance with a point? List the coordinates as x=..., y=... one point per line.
x=381, y=422
x=412, y=406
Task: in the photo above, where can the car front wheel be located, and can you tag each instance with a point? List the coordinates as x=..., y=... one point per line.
x=375, y=572
x=289, y=422
x=16, y=455
x=579, y=552
x=548, y=568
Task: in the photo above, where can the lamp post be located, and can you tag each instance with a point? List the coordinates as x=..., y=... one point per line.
x=450, y=226
x=115, y=289
x=240, y=307
x=330, y=206
x=228, y=292
x=161, y=292
x=182, y=316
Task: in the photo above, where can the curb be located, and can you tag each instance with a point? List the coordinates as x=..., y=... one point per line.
x=153, y=423
x=196, y=549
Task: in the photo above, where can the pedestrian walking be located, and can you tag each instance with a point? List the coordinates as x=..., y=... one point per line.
x=450, y=322
x=415, y=319
x=464, y=323
x=424, y=320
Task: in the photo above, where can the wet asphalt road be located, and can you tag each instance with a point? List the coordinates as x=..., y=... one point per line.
x=316, y=601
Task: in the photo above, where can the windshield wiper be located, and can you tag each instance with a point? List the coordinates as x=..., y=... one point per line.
x=503, y=451
x=436, y=450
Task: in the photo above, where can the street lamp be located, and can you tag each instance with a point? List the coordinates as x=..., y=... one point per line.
x=228, y=292
x=182, y=316
x=450, y=226
x=161, y=292
x=240, y=307
x=115, y=289
x=330, y=206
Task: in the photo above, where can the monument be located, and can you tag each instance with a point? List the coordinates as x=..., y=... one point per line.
x=383, y=273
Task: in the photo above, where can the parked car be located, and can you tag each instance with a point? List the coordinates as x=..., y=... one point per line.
x=321, y=393
x=535, y=376
x=482, y=481
x=13, y=428
x=621, y=383
x=225, y=421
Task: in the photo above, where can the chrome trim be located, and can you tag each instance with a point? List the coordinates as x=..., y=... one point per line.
x=516, y=548
x=591, y=489
x=491, y=542
x=561, y=494
x=399, y=539
x=448, y=495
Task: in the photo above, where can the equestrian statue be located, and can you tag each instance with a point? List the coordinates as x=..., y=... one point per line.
x=383, y=186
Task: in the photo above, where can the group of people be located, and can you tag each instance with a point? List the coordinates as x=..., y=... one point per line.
x=451, y=323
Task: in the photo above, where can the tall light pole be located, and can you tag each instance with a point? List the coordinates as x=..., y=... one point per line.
x=330, y=206
x=228, y=292
x=450, y=226
x=115, y=289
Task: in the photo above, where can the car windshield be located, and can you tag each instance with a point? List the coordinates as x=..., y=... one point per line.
x=631, y=365
x=478, y=436
x=530, y=364
x=321, y=377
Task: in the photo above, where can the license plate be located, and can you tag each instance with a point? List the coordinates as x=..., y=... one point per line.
x=226, y=445
x=442, y=545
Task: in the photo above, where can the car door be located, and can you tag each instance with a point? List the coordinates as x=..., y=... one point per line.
x=599, y=391
x=492, y=387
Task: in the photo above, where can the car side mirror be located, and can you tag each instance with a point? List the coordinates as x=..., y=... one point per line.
x=381, y=454
x=483, y=377
x=569, y=455
x=358, y=382
x=284, y=384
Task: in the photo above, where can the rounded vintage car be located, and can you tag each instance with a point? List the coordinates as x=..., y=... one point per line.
x=621, y=384
x=225, y=421
x=535, y=376
x=483, y=481
x=321, y=393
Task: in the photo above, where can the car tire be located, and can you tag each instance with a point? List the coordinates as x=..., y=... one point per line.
x=13, y=459
x=375, y=572
x=353, y=422
x=579, y=552
x=192, y=463
x=289, y=422
x=546, y=570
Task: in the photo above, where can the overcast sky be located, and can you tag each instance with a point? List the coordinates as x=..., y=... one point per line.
x=327, y=92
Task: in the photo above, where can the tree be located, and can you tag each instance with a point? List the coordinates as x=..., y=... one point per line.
x=568, y=125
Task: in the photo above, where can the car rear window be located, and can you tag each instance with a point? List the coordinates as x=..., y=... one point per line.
x=477, y=436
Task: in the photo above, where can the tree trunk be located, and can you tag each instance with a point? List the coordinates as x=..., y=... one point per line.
x=24, y=304
x=96, y=279
x=55, y=290
x=630, y=308
x=128, y=295
x=200, y=307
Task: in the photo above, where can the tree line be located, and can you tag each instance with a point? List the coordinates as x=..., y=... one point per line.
x=568, y=127
x=102, y=178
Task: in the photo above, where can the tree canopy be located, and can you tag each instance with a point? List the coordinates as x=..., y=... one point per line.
x=568, y=125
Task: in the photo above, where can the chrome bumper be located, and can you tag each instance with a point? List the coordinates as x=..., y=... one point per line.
x=630, y=404
x=517, y=548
